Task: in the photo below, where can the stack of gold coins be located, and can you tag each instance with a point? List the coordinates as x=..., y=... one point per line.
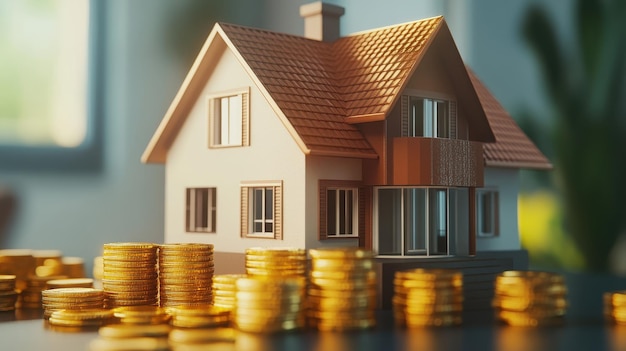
x=116, y=337
x=18, y=262
x=342, y=289
x=615, y=307
x=73, y=267
x=70, y=283
x=185, y=274
x=48, y=263
x=8, y=294
x=525, y=298
x=130, y=274
x=199, y=316
x=142, y=315
x=84, y=318
x=31, y=296
x=278, y=262
x=264, y=304
x=224, y=290
x=71, y=299
x=428, y=297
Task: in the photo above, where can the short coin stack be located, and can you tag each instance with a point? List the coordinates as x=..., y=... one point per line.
x=71, y=299
x=269, y=304
x=342, y=289
x=141, y=315
x=199, y=316
x=428, y=297
x=115, y=337
x=86, y=318
x=276, y=262
x=8, y=295
x=185, y=274
x=224, y=290
x=130, y=274
x=615, y=307
x=18, y=262
x=527, y=298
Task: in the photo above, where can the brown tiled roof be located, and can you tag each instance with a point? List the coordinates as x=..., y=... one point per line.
x=317, y=84
x=512, y=147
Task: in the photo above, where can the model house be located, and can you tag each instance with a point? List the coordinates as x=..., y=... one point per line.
x=382, y=139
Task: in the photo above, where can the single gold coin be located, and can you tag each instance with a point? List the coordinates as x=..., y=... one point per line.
x=349, y=253
x=122, y=331
x=194, y=336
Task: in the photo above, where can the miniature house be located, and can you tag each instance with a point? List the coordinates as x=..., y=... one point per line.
x=382, y=139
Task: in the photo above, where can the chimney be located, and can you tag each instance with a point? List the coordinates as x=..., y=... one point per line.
x=321, y=20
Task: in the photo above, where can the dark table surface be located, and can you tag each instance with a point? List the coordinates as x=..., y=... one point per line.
x=584, y=329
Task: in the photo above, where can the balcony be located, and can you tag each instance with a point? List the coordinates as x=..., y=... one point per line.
x=437, y=162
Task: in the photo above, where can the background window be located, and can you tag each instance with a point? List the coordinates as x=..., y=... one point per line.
x=201, y=209
x=49, y=83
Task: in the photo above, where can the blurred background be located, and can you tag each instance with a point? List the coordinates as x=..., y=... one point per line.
x=84, y=84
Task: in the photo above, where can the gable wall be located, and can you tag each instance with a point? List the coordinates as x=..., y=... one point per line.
x=431, y=79
x=272, y=155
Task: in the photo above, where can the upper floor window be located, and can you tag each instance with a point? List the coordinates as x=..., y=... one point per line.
x=431, y=118
x=228, y=113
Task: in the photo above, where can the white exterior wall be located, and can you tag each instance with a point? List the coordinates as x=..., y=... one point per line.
x=506, y=181
x=335, y=168
x=272, y=155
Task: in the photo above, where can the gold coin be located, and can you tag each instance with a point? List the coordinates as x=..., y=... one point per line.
x=423, y=274
x=437, y=320
x=340, y=275
x=523, y=320
x=350, y=253
x=186, y=247
x=525, y=304
x=332, y=264
x=312, y=291
x=121, y=331
x=193, y=336
x=270, y=327
x=257, y=284
x=75, y=323
x=131, y=343
x=330, y=303
x=432, y=309
x=275, y=251
x=70, y=283
x=342, y=325
x=525, y=278
x=129, y=246
x=71, y=292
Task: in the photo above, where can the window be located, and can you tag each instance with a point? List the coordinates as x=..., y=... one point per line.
x=341, y=212
x=487, y=213
x=229, y=119
x=339, y=209
x=201, y=210
x=50, y=84
x=261, y=206
x=431, y=118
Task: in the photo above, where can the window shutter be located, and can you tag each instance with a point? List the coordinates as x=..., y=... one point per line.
x=404, y=115
x=496, y=213
x=363, y=213
x=278, y=212
x=211, y=122
x=188, y=210
x=244, y=211
x=323, y=230
x=245, y=123
x=452, y=131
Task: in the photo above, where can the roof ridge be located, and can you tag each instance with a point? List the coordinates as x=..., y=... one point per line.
x=367, y=31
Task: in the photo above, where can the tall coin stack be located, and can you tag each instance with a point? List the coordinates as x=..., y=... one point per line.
x=428, y=297
x=185, y=274
x=269, y=305
x=276, y=262
x=130, y=274
x=224, y=290
x=342, y=289
x=615, y=307
x=527, y=298
x=8, y=294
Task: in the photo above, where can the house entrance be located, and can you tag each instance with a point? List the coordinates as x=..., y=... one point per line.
x=421, y=221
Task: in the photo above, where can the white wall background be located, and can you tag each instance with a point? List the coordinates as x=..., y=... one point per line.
x=78, y=213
